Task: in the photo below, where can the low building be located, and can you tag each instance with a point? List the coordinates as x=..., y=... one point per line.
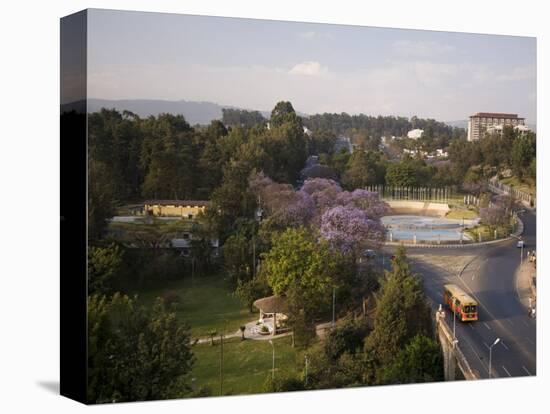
x=415, y=133
x=175, y=208
x=497, y=129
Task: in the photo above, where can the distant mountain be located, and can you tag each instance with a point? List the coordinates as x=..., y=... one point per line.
x=463, y=123
x=194, y=112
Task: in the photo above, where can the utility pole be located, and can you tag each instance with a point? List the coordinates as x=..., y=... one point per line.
x=221, y=363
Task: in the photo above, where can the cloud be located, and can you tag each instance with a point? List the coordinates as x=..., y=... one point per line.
x=420, y=49
x=307, y=35
x=518, y=74
x=309, y=69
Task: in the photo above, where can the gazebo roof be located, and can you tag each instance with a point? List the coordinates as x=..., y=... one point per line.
x=272, y=304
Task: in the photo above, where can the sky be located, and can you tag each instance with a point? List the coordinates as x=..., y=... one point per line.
x=253, y=64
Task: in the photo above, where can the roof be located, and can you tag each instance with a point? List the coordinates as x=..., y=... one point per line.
x=199, y=203
x=458, y=293
x=272, y=304
x=495, y=115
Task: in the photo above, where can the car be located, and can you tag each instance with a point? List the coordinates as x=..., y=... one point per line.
x=369, y=254
x=520, y=244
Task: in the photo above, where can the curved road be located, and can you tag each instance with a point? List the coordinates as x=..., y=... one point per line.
x=490, y=277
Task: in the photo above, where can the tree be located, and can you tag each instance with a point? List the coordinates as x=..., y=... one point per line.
x=401, y=313
x=420, y=361
x=358, y=172
x=134, y=353
x=523, y=153
x=104, y=265
x=101, y=202
x=237, y=258
x=302, y=270
x=350, y=230
x=402, y=174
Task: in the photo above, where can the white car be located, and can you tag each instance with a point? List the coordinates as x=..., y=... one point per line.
x=520, y=244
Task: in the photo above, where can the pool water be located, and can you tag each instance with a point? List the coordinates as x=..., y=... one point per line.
x=423, y=228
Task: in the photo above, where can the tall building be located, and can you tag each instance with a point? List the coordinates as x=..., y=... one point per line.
x=483, y=122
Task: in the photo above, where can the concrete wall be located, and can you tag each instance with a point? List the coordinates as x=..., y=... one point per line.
x=420, y=208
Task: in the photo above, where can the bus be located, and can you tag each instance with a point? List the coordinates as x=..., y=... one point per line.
x=462, y=304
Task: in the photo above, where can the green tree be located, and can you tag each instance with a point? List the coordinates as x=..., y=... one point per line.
x=104, y=265
x=402, y=174
x=134, y=353
x=523, y=153
x=101, y=199
x=358, y=172
x=420, y=361
x=302, y=270
x=401, y=313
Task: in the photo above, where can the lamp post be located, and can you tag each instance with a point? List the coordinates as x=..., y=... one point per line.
x=491, y=354
x=454, y=321
x=307, y=362
x=273, y=365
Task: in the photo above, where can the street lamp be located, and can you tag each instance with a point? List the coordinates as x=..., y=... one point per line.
x=307, y=362
x=491, y=354
x=273, y=365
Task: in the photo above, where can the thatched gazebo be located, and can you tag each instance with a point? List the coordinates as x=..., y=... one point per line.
x=271, y=306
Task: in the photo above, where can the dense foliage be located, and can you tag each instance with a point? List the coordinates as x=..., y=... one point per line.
x=134, y=353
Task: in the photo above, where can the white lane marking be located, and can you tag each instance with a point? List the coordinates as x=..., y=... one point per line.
x=471, y=326
x=529, y=340
x=525, y=322
x=487, y=326
x=509, y=321
x=486, y=346
x=504, y=345
x=504, y=368
x=526, y=370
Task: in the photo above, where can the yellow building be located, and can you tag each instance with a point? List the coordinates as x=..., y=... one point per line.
x=175, y=208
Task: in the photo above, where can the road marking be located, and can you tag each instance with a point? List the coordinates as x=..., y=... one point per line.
x=487, y=326
x=526, y=370
x=486, y=346
x=509, y=321
x=473, y=276
x=471, y=326
x=504, y=368
x=502, y=342
x=529, y=340
x=525, y=322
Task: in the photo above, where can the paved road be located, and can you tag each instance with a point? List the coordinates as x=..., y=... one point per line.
x=489, y=276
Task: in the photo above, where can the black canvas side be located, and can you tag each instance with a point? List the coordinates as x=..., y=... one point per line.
x=73, y=169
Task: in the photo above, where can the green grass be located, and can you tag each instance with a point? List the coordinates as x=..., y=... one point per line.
x=206, y=303
x=459, y=213
x=488, y=232
x=527, y=185
x=247, y=364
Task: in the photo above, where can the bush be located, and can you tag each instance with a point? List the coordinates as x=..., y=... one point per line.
x=171, y=299
x=283, y=382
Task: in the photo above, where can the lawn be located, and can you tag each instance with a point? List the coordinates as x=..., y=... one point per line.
x=247, y=364
x=206, y=303
x=527, y=186
x=488, y=232
x=460, y=213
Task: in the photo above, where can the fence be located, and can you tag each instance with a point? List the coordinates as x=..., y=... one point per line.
x=498, y=187
x=435, y=194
